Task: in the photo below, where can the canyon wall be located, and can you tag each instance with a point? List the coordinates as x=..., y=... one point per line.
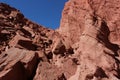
x=86, y=46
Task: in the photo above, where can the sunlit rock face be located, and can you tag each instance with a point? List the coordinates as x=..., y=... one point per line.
x=91, y=27
x=86, y=46
x=76, y=12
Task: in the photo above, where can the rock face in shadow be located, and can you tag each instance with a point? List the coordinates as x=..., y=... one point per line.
x=86, y=46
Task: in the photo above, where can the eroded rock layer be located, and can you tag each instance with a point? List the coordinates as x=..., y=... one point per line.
x=85, y=47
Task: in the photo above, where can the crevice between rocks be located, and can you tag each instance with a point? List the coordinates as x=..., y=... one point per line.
x=103, y=36
x=34, y=70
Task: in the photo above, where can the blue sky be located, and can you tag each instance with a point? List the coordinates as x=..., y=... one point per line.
x=44, y=12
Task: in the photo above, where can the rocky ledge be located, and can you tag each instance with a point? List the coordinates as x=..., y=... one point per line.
x=85, y=47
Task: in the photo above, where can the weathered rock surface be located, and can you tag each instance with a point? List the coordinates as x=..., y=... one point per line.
x=85, y=47
x=92, y=28
x=24, y=46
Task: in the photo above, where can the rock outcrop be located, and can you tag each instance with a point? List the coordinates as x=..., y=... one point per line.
x=92, y=28
x=86, y=46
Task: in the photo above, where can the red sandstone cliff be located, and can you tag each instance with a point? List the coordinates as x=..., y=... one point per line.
x=85, y=47
x=92, y=28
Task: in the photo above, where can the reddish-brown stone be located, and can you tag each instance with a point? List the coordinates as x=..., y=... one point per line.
x=86, y=46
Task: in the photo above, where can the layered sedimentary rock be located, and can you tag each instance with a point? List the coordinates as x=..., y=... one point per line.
x=27, y=49
x=86, y=46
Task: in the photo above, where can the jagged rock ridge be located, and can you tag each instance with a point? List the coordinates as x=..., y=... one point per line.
x=85, y=47
x=26, y=48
